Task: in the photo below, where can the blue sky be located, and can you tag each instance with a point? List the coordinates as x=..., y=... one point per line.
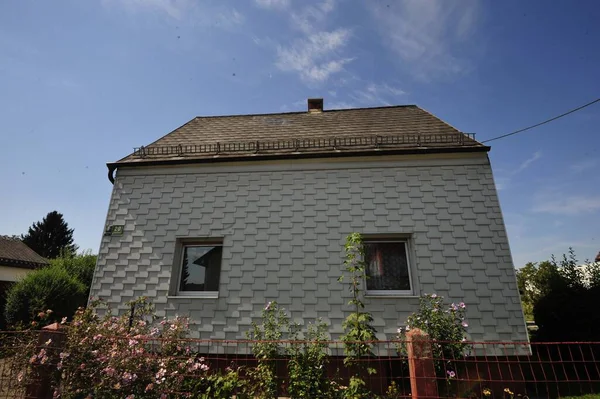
x=83, y=82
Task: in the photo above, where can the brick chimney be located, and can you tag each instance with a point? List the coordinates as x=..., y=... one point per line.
x=315, y=105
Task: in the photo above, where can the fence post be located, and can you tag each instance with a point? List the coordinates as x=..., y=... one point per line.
x=423, y=382
x=41, y=387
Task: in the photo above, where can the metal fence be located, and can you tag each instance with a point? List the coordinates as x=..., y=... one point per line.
x=489, y=370
x=309, y=145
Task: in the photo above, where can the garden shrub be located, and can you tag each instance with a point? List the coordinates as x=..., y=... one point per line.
x=359, y=335
x=49, y=288
x=79, y=266
x=307, y=366
x=130, y=356
x=266, y=349
x=446, y=327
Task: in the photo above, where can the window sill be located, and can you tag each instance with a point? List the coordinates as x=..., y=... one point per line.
x=208, y=295
x=389, y=295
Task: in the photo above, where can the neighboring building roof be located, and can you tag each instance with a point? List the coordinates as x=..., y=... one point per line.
x=597, y=257
x=316, y=133
x=15, y=253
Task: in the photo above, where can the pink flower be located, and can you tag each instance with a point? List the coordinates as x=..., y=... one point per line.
x=59, y=366
x=132, y=342
x=163, y=396
x=465, y=324
x=97, y=337
x=462, y=305
x=20, y=377
x=64, y=355
x=149, y=387
x=82, y=366
x=132, y=396
x=434, y=296
x=63, y=321
x=41, y=315
x=268, y=307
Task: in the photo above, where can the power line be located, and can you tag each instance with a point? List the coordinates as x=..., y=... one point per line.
x=544, y=122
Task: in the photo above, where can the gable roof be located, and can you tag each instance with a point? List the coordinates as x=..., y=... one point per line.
x=300, y=134
x=15, y=253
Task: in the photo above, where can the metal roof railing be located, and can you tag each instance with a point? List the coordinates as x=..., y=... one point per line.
x=314, y=144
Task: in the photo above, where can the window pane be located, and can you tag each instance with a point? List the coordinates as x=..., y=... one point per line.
x=387, y=266
x=201, y=268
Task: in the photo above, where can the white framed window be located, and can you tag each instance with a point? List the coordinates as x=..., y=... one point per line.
x=387, y=267
x=200, y=269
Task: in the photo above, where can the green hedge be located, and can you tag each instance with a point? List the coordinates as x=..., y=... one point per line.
x=49, y=288
x=80, y=266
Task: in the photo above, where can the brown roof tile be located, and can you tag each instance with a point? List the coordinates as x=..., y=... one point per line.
x=326, y=132
x=14, y=252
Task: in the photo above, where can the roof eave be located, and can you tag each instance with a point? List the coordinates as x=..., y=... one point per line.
x=21, y=263
x=112, y=166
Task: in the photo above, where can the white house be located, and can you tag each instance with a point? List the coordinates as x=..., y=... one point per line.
x=16, y=261
x=226, y=213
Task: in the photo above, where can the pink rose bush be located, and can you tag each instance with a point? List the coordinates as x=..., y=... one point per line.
x=130, y=356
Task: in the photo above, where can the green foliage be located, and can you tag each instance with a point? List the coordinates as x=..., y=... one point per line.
x=445, y=325
x=267, y=350
x=49, y=288
x=51, y=237
x=359, y=335
x=79, y=266
x=564, y=299
x=128, y=357
x=307, y=366
x=63, y=287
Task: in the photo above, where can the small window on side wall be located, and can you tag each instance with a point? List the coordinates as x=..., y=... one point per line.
x=200, y=269
x=387, y=267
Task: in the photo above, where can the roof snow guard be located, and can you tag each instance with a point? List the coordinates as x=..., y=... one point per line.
x=308, y=145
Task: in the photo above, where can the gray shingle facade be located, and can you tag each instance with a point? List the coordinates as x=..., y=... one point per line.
x=283, y=224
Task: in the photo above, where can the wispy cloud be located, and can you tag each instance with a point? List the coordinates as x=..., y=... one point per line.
x=315, y=57
x=572, y=205
x=585, y=164
x=376, y=94
x=173, y=8
x=504, y=179
x=311, y=17
x=425, y=34
x=340, y=105
x=270, y=4
x=193, y=12
x=536, y=155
